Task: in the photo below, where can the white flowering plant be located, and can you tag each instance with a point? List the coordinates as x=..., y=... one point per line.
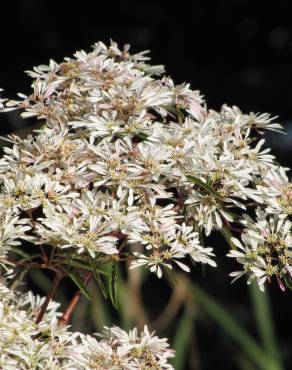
x=128, y=168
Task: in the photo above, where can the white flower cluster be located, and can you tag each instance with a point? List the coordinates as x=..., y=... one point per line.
x=25, y=345
x=267, y=249
x=128, y=165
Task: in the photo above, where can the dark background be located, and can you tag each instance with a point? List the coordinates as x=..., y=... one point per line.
x=235, y=52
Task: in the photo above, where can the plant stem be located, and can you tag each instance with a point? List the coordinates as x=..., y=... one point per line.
x=44, y=256
x=58, y=277
x=70, y=308
x=30, y=264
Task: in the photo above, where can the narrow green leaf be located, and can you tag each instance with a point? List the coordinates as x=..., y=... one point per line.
x=78, y=262
x=79, y=283
x=264, y=321
x=177, y=112
x=21, y=253
x=30, y=257
x=18, y=278
x=182, y=338
x=288, y=282
x=228, y=235
x=205, y=186
x=141, y=135
x=68, y=267
x=81, y=265
x=97, y=277
x=113, y=285
x=122, y=297
x=239, y=334
x=100, y=314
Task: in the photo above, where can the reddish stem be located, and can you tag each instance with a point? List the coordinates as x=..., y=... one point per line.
x=31, y=264
x=58, y=277
x=44, y=256
x=71, y=306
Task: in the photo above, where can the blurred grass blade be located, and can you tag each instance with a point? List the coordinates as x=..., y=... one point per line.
x=122, y=298
x=78, y=281
x=264, y=321
x=229, y=324
x=182, y=339
x=113, y=285
x=244, y=363
x=100, y=314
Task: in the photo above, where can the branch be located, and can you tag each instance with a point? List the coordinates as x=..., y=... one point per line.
x=58, y=277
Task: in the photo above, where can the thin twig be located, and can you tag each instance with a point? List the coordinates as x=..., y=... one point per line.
x=58, y=277
x=33, y=265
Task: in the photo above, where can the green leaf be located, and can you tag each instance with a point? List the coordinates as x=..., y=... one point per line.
x=180, y=115
x=68, y=267
x=100, y=314
x=79, y=283
x=205, y=186
x=80, y=265
x=228, y=235
x=288, y=282
x=113, y=285
x=182, y=338
x=141, y=135
x=97, y=277
x=21, y=253
x=79, y=262
x=18, y=278
x=264, y=321
x=122, y=297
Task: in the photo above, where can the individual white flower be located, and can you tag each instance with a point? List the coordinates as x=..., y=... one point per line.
x=277, y=191
x=12, y=230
